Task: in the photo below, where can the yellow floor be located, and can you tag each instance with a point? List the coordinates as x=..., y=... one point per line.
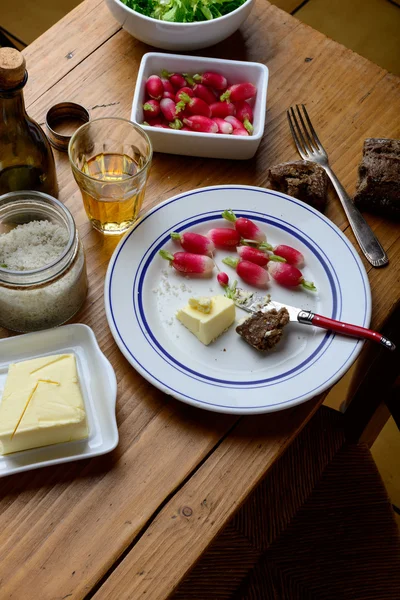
x=369, y=27
x=27, y=20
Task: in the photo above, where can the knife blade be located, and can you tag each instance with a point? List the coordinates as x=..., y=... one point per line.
x=253, y=302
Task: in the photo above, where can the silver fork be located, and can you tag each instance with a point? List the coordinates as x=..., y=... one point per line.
x=310, y=148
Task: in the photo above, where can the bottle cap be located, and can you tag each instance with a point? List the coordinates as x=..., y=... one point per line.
x=12, y=68
x=62, y=120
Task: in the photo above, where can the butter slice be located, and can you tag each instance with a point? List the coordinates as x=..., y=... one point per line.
x=208, y=326
x=203, y=304
x=42, y=404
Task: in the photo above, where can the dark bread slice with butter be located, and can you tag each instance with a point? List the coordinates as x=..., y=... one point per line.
x=263, y=330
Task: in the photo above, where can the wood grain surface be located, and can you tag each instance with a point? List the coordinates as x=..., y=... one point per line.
x=113, y=526
x=198, y=512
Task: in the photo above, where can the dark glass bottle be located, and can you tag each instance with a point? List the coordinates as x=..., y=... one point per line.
x=26, y=158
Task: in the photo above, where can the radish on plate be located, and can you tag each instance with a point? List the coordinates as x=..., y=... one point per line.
x=223, y=279
x=250, y=272
x=194, y=242
x=292, y=256
x=289, y=276
x=247, y=228
x=186, y=262
x=257, y=256
x=224, y=237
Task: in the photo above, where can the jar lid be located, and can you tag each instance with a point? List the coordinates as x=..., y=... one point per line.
x=62, y=120
x=12, y=68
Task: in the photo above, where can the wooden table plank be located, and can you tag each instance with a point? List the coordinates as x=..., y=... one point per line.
x=181, y=532
x=28, y=20
x=65, y=542
x=65, y=45
x=63, y=528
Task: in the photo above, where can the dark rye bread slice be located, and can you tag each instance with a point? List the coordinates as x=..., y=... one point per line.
x=301, y=179
x=378, y=188
x=263, y=330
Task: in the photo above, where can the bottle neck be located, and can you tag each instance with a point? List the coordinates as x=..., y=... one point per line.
x=12, y=105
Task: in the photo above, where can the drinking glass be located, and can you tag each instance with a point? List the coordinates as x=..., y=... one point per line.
x=110, y=160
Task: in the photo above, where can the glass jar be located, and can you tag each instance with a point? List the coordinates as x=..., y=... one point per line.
x=50, y=295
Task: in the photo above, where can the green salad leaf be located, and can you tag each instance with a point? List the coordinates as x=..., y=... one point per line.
x=183, y=11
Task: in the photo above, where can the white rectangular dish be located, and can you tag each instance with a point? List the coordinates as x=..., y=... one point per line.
x=190, y=143
x=99, y=389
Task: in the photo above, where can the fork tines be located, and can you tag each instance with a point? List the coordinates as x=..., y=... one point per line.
x=304, y=134
x=310, y=148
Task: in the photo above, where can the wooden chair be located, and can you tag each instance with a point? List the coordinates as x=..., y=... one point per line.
x=320, y=526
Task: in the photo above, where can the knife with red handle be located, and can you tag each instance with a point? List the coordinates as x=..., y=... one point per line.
x=252, y=302
x=307, y=317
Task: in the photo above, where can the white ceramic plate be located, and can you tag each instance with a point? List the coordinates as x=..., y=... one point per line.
x=99, y=390
x=142, y=294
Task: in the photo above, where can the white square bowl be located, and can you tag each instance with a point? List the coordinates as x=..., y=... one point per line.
x=211, y=145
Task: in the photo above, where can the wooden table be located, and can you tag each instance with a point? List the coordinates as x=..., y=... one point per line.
x=132, y=523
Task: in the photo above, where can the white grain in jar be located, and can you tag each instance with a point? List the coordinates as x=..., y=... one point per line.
x=32, y=245
x=34, y=295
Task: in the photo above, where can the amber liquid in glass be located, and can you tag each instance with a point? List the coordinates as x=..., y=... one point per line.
x=116, y=209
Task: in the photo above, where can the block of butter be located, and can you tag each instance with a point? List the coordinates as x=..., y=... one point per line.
x=42, y=404
x=208, y=326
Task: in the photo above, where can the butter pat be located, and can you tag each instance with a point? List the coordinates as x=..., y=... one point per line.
x=208, y=326
x=42, y=404
x=203, y=304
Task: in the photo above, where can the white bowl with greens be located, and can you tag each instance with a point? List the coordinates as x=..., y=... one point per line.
x=180, y=24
